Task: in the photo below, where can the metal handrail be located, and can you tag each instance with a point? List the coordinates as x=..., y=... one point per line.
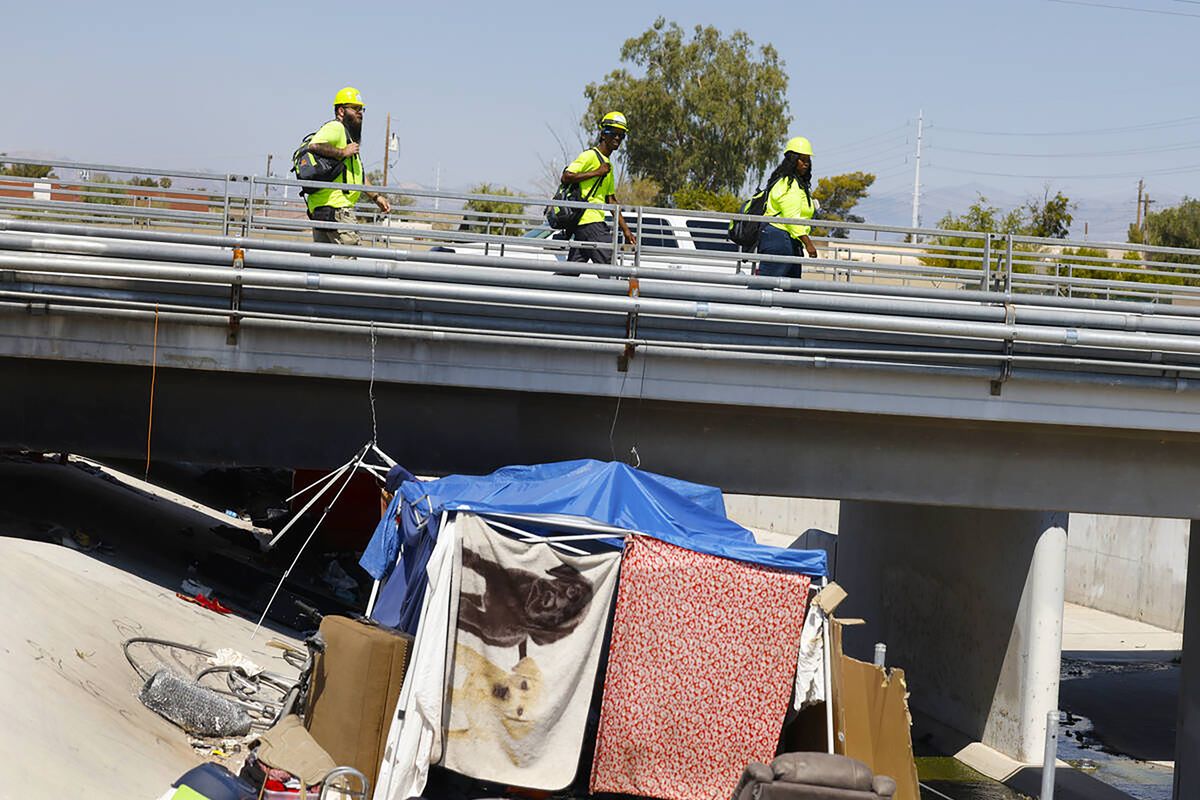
x=252, y=205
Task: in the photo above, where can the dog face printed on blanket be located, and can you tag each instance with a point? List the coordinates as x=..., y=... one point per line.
x=518, y=604
x=496, y=704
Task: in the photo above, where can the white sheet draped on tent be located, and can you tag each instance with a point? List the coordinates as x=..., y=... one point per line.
x=415, y=737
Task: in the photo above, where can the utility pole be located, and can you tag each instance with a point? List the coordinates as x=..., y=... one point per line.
x=1145, y=214
x=1141, y=183
x=437, y=185
x=267, y=188
x=387, y=147
x=916, y=203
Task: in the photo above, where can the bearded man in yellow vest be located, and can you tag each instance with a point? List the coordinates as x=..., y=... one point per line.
x=339, y=138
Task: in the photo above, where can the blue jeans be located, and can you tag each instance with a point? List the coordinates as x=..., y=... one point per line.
x=775, y=242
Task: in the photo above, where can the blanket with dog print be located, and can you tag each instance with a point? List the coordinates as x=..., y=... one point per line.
x=528, y=640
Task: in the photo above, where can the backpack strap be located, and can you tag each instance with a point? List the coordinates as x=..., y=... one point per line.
x=596, y=183
x=767, y=195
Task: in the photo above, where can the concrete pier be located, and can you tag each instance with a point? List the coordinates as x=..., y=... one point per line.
x=969, y=602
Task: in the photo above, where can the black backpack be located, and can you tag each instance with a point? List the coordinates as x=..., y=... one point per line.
x=566, y=218
x=308, y=166
x=745, y=232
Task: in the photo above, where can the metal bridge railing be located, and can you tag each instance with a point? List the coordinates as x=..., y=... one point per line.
x=258, y=207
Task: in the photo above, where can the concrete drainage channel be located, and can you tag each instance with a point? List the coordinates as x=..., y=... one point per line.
x=1116, y=737
x=947, y=778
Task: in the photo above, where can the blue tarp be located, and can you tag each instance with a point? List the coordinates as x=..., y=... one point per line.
x=686, y=514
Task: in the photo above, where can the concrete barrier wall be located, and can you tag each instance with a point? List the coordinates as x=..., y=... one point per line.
x=1135, y=567
x=790, y=516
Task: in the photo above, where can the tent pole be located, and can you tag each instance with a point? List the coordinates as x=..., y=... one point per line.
x=826, y=657
x=533, y=538
x=319, y=481
x=354, y=461
x=312, y=533
x=371, y=599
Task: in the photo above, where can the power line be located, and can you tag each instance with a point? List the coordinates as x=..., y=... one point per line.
x=1162, y=149
x=1166, y=171
x=1172, y=123
x=1126, y=8
x=851, y=145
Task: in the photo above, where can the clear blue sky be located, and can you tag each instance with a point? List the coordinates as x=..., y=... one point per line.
x=479, y=88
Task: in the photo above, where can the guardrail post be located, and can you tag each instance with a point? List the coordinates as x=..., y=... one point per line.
x=1008, y=263
x=225, y=211
x=637, y=247
x=616, y=234
x=249, y=208
x=987, y=262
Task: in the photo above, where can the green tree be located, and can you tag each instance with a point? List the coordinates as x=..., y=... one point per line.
x=494, y=216
x=980, y=217
x=1050, y=218
x=638, y=191
x=703, y=199
x=1175, y=226
x=838, y=194
x=25, y=170
x=703, y=112
x=109, y=192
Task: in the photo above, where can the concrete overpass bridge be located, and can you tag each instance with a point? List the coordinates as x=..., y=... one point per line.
x=958, y=403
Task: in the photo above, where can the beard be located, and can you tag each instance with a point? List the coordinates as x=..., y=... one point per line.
x=354, y=129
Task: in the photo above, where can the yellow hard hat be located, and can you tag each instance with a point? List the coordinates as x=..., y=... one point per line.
x=616, y=120
x=348, y=96
x=798, y=144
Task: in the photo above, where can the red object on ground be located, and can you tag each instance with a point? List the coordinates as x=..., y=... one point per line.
x=211, y=603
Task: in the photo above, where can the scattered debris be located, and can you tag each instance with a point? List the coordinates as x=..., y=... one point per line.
x=211, y=603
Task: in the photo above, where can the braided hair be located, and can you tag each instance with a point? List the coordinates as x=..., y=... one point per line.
x=789, y=170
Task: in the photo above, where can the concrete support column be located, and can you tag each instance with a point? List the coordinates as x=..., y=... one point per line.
x=1187, y=729
x=970, y=604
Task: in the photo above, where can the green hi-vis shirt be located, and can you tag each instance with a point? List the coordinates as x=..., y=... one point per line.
x=334, y=133
x=589, y=161
x=787, y=199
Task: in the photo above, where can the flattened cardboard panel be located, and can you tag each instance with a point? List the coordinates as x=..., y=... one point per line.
x=871, y=720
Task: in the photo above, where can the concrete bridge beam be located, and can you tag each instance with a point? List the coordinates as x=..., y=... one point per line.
x=970, y=603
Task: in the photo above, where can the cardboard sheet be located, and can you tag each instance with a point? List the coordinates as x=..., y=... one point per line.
x=871, y=719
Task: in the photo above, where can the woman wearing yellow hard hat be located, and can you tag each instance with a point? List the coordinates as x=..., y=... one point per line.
x=789, y=195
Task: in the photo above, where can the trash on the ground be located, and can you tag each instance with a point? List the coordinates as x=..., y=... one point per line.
x=227, y=657
x=193, y=588
x=196, y=709
x=211, y=603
